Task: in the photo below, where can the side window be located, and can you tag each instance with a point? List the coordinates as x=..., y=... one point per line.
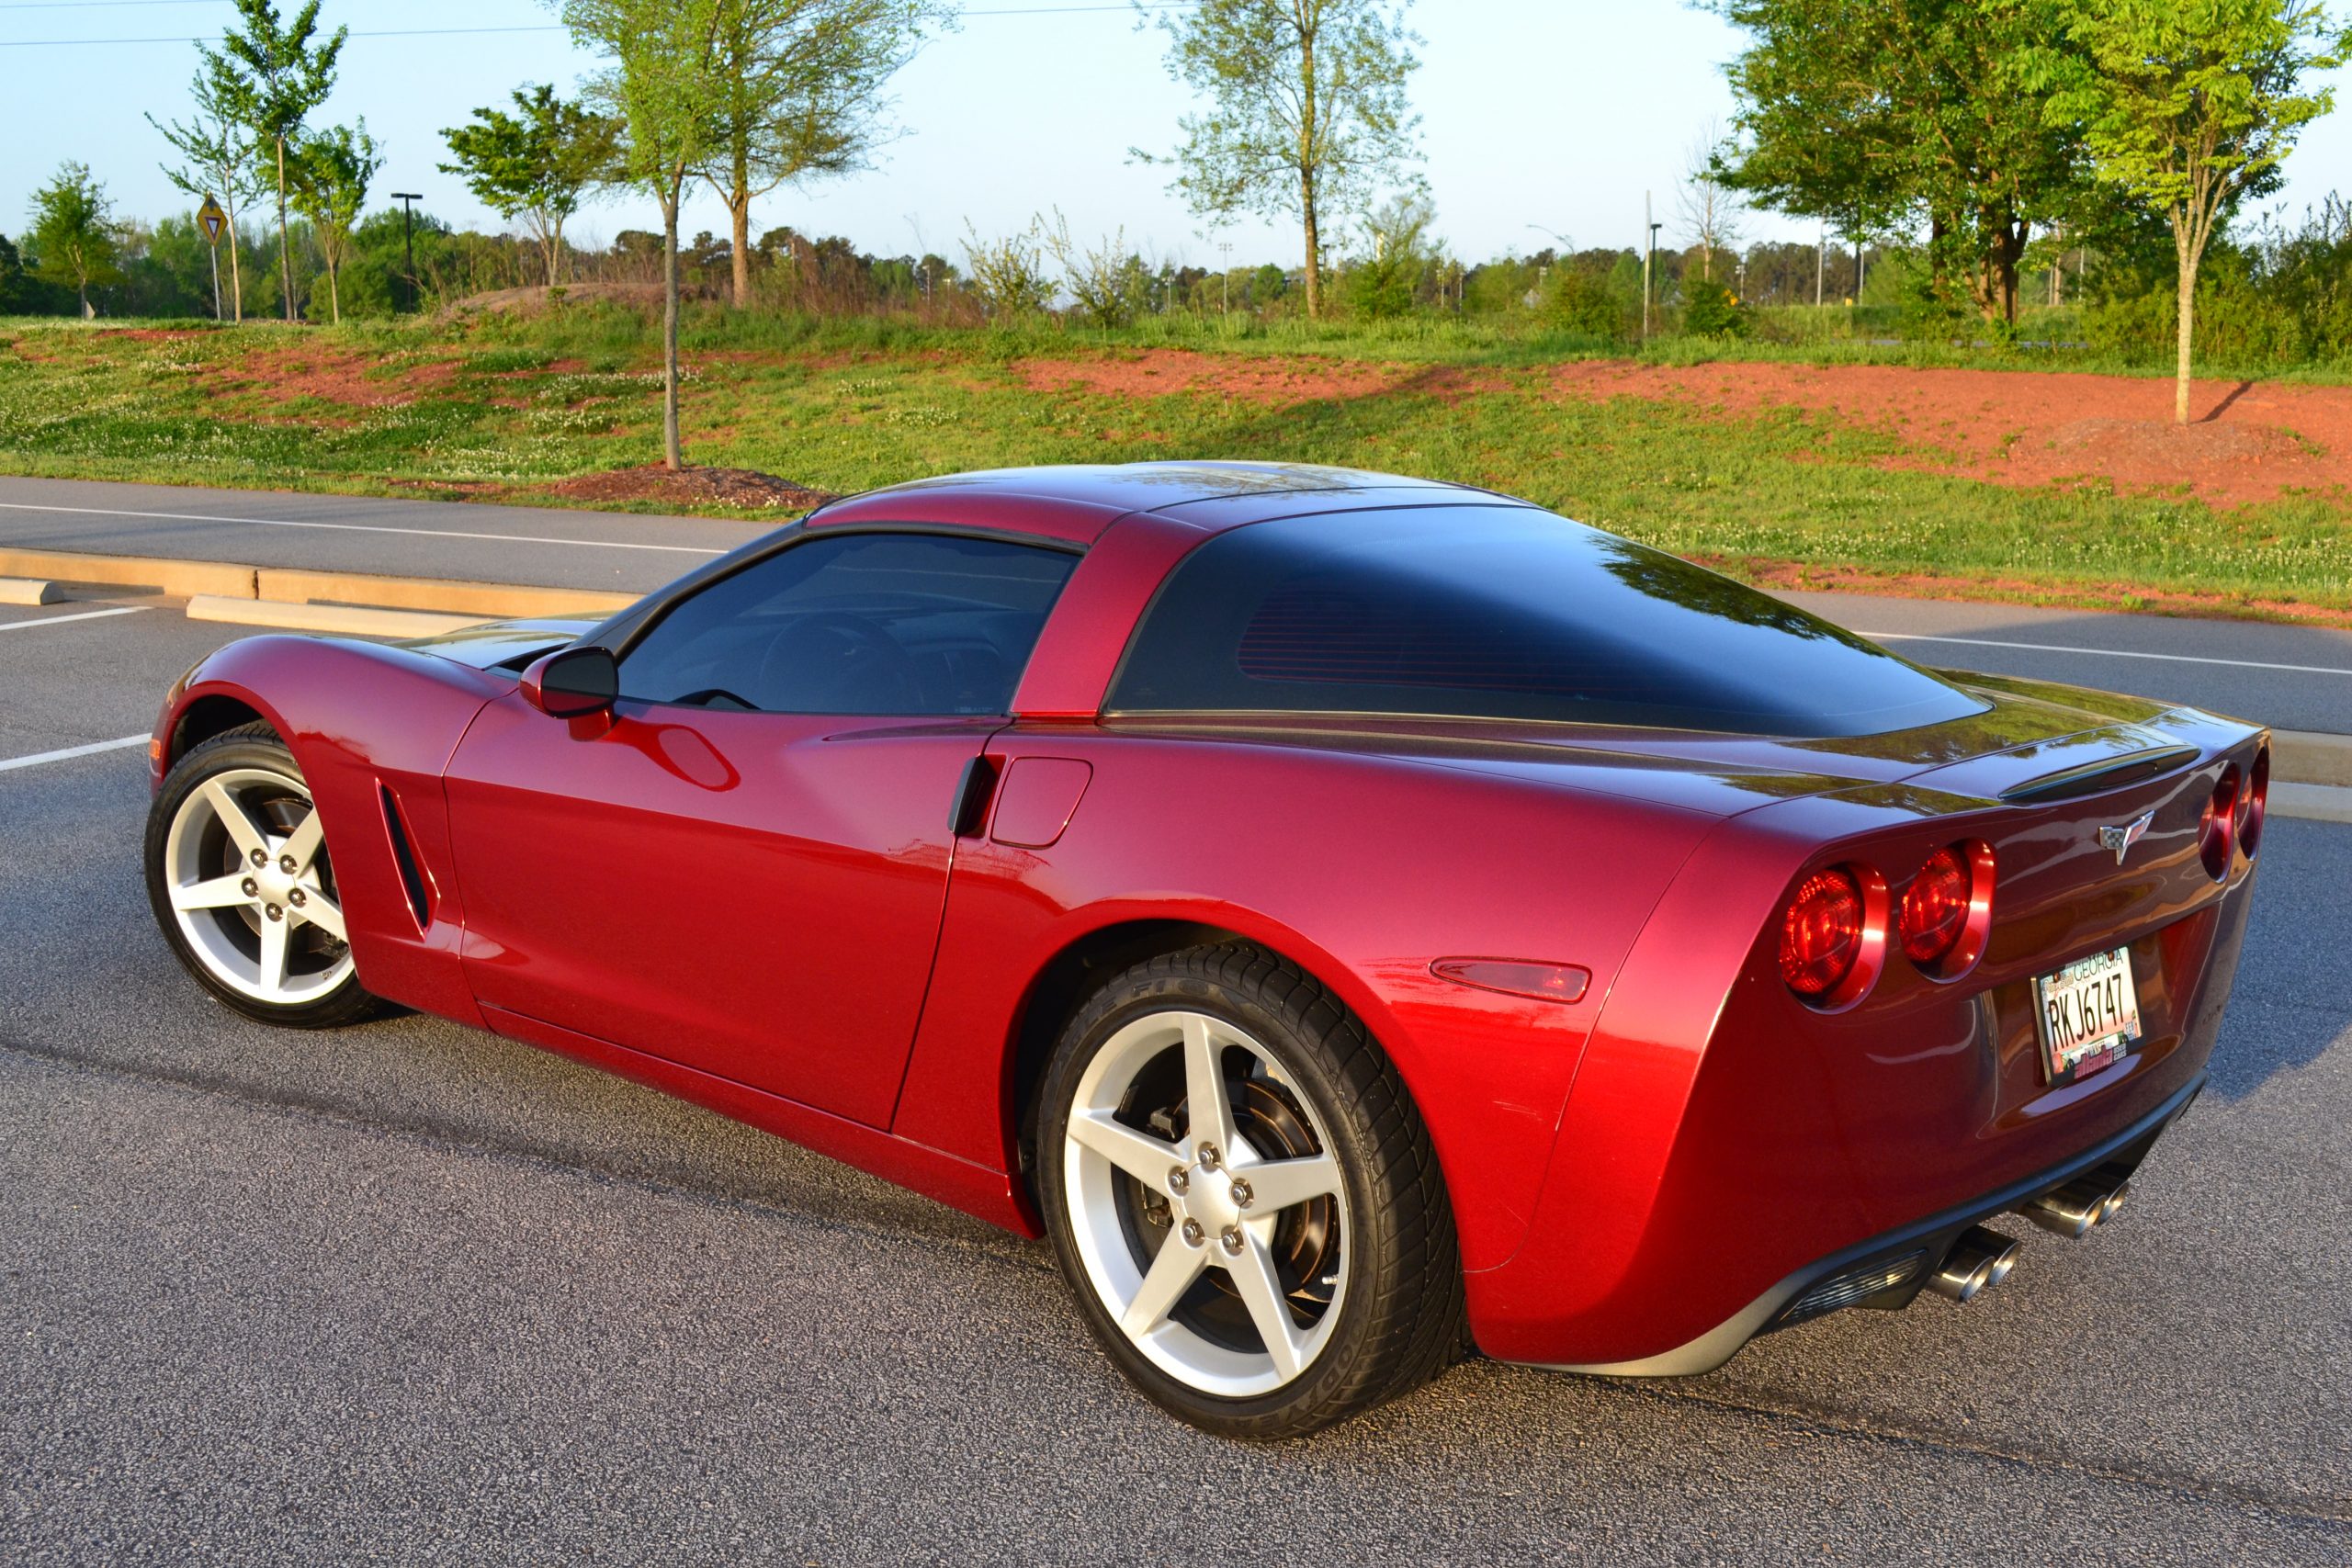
x=856, y=624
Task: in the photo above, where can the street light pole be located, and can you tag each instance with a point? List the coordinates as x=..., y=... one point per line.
x=407, y=199
x=1649, y=251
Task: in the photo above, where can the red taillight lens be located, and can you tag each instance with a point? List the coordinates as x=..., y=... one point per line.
x=1821, y=934
x=1935, y=910
x=2218, y=831
x=2251, y=803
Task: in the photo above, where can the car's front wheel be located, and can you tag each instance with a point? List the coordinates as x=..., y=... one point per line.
x=1243, y=1197
x=241, y=883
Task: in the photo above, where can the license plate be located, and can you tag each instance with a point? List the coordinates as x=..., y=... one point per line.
x=2090, y=1015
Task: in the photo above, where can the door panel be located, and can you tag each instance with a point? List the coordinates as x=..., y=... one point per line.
x=755, y=895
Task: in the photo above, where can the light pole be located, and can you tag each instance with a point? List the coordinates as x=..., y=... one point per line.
x=408, y=198
x=1649, y=260
x=1225, y=280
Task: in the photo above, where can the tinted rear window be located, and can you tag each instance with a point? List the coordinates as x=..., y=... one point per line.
x=1502, y=613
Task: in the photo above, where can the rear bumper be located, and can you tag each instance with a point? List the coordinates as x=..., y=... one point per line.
x=1928, y=1241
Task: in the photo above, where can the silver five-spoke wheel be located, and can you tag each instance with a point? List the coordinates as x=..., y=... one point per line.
x=1205, y=1201
x=242, y=885
x=249, y=881
x=1243, y=1196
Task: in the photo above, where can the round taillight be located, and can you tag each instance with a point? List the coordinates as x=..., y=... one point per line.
x=2218, y=831
x=2251, y=803
x=1821, y=934
x=1935, y=908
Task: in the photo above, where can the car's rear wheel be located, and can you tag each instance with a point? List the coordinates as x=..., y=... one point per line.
x=241, y=883
x=1243, y=1197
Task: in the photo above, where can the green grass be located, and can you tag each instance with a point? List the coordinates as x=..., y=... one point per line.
x=507, y=406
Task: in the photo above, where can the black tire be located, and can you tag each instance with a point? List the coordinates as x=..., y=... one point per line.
x=253, y=747
x=1400, y=1317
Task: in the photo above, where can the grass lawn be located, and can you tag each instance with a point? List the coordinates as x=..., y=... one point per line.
x=500, y=409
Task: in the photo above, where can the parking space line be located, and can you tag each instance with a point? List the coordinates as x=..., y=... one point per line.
x=359, y=528
x=2106, y=652
x=61, y=620
x=70, y=753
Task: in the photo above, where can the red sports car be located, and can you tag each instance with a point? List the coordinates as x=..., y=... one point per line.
x=1356, y=917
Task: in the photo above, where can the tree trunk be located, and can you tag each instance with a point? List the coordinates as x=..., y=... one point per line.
x=335, y=293
x=236, y=276
x=673, y=453
x=2188, y=333
x=285, y=246
x=1308, y=167
x=740, y=205
x=1314, y=249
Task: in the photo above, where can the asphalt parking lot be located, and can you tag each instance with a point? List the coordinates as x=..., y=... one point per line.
x=413, y=1293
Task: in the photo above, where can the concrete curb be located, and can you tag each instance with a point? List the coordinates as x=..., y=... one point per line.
x=222, y=580
x=22, y=591
x=2307, y=758
x=348, y=619
x=2311, y=803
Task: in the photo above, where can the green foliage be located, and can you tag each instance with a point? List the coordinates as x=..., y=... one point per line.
x=218, y=157
x=1008, y=275
x=2189, y=109
x=1710, y=310
x=1402, y=261
x=1108, y=284
x=1306, y=112
x=73, y=234
x=332, y=172
x=536, y=163
x=1876, y=114
x=1593, y=302
x=270, y=76
x=801, y=93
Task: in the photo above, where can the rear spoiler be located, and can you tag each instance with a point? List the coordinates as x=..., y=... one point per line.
x=2091, y=778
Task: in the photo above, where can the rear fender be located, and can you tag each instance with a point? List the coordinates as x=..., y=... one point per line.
x=1304, y=850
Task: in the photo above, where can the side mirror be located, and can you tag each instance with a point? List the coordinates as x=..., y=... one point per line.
x=573, y=681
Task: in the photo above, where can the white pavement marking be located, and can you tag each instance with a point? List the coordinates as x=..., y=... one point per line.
x=2106, y=652
x=61, y=620
x=358, y=528
x=70, y=752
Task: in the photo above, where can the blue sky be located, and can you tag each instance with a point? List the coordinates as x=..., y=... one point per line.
x=1560, y=113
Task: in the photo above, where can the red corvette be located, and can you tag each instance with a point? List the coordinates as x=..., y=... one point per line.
x=1355, y=917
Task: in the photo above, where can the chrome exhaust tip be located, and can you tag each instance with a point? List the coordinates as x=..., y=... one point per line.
x=1979, y=1260
x=2072, y=1210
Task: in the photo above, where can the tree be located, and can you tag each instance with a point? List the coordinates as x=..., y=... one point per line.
x=1710, y=206
x=332, y=171
x=1008, y=275
x=219, y=153
x=800, y=96
x=1108, y=284
x=74, y=237
x=1873, y=115
x=272, y=76
x=1308, y=112
x=665, y=87
x=2189, y=105
x=535, y=165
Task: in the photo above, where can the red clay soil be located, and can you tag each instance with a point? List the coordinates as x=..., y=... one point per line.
x=289, y=375
x=2252, y=440
x=741, y=490
x=1272, y=381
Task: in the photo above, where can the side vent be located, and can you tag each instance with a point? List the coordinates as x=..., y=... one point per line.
x=420, y=893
